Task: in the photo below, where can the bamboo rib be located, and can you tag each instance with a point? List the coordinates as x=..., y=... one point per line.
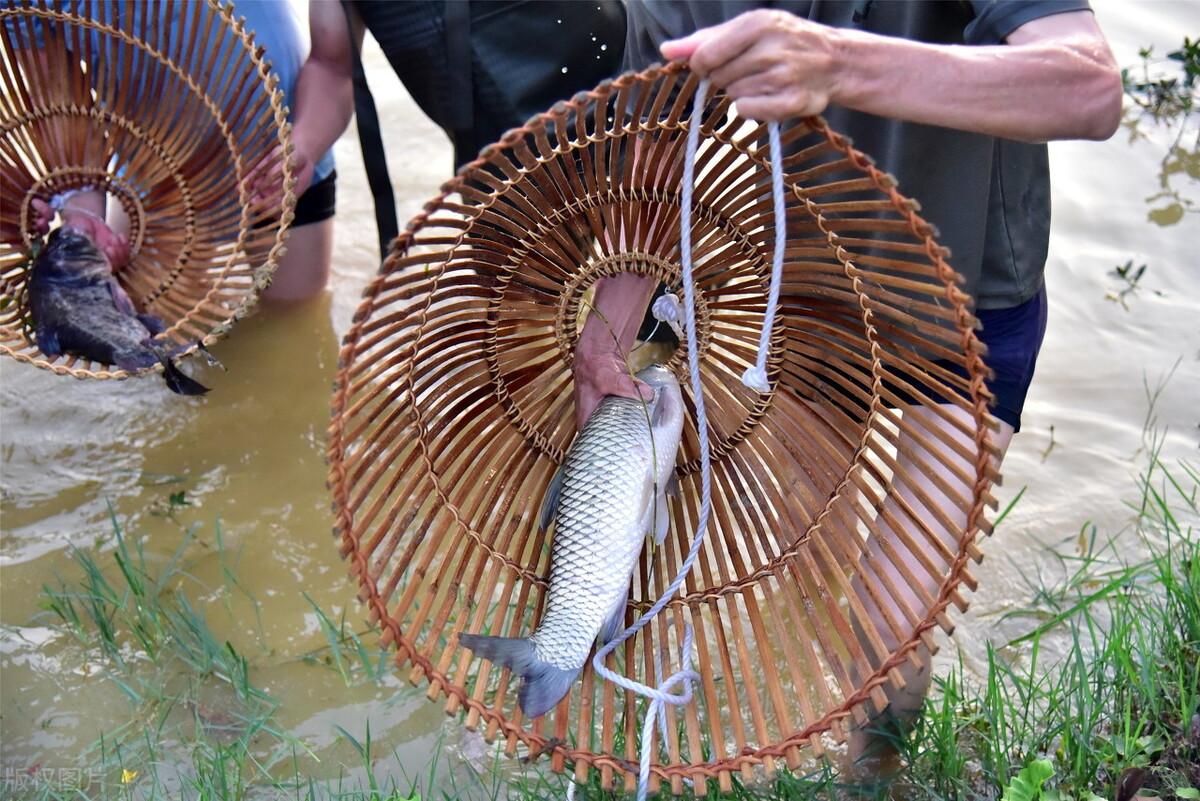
x=842, y=518
x=169, y=119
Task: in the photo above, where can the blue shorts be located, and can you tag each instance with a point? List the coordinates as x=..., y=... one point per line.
x=1013, y=337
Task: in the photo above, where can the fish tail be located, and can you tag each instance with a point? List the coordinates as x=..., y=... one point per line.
x=179, y=382
x=542, y=684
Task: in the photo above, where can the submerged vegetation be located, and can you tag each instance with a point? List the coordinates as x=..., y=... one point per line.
x=1116, y=715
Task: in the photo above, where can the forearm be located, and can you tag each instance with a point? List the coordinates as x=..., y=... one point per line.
x=324, y=100
x=324, y=92
x=1042, y=90
x=618, y=308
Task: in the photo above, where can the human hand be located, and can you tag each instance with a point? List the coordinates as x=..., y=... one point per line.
x=599, y=373
x=264, y=181
x=774, y=64
x=114, y=246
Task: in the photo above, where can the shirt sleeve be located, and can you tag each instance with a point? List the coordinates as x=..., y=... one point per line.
x=996, y=19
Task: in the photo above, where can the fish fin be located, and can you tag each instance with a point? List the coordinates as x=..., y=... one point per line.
x=134, y=359
x=47, y=340
x=179, y=382
x=122, y=300
x=212, y=360
x=542, y=684
x=550, y=503
x=614, y=622
x=662, y=518
x=544, y=687
x=646, y=521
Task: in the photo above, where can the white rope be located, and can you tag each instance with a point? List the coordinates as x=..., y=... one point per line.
x=756, y=377
x=667, y=309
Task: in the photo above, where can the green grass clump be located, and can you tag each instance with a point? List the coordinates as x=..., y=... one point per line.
x=198, y=727
x=1120, y=707
x=1117, y=713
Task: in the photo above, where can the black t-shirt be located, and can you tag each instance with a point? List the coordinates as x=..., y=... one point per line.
x=988, y=197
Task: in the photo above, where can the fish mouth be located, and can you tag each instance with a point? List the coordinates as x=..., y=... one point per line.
x=655, y=375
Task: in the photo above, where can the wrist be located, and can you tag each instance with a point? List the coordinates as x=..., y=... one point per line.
x=851, y=53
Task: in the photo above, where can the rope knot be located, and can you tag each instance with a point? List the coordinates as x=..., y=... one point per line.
x=756, y=378
x=667, y=309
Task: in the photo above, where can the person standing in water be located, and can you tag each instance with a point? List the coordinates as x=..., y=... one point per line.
x=957, y=101
x=317, y=91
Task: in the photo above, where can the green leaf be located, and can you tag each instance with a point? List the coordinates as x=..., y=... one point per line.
x=1027, y=784
x=1187, y=792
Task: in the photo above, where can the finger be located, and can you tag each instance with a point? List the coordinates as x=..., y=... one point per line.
x=682, y=49
x=758, y=85
x=782, y=106
x=42, y=216
x=621, y=384
x=727, y=41
x=757, y=62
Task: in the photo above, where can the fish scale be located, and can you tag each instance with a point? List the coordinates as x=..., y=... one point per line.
x=596, y=544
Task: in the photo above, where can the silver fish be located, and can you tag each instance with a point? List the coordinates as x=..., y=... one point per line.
x=79, y=308
x=609, y=494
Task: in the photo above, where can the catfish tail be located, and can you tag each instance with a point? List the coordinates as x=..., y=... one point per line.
x=542, y=684
x=179, y=382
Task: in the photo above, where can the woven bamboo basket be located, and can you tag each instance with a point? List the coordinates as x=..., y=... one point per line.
x=453, y=407
x=167, y=107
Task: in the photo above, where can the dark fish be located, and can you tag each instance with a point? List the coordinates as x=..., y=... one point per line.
x=79, y=308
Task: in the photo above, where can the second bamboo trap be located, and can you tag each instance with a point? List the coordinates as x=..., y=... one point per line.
x=453, y=408
x=167, y=107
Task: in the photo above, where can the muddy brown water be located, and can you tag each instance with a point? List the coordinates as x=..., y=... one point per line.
x=251, y=454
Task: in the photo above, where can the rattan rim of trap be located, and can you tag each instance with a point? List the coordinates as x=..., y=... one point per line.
x=62, y=177
x=869, y=690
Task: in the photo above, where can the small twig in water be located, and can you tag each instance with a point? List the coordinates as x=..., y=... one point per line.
x=1049, y=447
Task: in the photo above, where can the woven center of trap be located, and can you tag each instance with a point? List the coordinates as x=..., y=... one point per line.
x=846, y=501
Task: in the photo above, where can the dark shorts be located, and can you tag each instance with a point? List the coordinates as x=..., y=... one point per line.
x=1013, y=337
x=318, y=203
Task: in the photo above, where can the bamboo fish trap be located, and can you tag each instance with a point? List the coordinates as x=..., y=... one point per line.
x=831, y=556
x=167, y=107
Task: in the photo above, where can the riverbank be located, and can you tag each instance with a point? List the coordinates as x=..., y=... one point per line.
x=1116, y=715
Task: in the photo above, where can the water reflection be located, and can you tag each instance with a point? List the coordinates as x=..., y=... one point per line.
x=1164, y=111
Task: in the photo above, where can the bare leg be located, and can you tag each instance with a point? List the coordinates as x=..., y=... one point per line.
x=871, y=750
x=303, y=271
